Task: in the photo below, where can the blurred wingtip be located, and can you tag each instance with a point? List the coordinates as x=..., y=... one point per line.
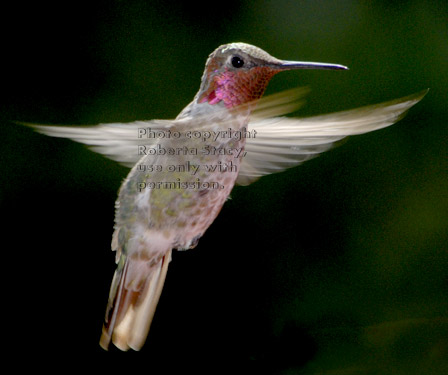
x=24, y=123
x=281, y=103
x=39, y=128
x=418, y=95
x=413, y=98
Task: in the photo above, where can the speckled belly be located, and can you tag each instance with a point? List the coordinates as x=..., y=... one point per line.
x=184, y=198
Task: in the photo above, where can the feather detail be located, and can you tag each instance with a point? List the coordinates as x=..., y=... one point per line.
x=132, y=303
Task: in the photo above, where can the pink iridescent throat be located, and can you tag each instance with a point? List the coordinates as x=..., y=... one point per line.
x=238, y=87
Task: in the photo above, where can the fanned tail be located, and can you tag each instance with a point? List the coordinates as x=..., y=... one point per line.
x=132, y=303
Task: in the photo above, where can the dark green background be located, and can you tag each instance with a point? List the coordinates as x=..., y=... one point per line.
x=339, y=266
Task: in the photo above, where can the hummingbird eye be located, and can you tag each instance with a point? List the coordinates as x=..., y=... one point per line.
x=237, y=62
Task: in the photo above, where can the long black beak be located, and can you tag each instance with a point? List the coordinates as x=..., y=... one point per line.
x=290, y=65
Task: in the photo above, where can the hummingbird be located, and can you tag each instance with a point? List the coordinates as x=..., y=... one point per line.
x=184, y=169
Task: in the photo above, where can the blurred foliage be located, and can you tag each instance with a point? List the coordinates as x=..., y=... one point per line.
x=339, y=266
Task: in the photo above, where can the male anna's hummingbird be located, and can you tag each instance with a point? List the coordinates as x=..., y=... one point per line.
x=184, y=169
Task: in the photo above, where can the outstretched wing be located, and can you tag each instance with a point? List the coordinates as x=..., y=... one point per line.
x=283, y=142
x=120, y=141
x=280, y=142
x=117, y=141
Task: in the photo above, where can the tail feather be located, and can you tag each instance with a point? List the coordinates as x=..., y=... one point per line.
x=130, y=312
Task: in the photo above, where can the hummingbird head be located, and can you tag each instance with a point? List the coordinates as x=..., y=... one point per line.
x=238, y=73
